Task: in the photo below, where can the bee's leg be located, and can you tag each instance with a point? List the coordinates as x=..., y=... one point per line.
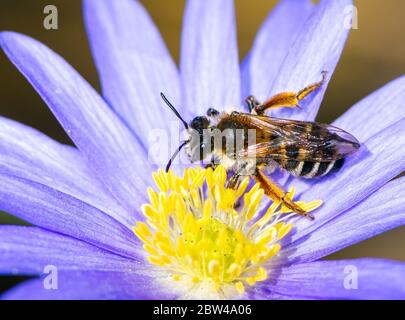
x=212, y=164
x=233, y=181
x=273, y=191
x=252, y=102
x=288, y=99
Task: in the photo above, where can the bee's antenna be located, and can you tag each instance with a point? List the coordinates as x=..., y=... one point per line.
x=175, y=154
x=174, y=110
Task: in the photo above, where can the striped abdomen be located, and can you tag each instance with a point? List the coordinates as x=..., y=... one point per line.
x=311, y=169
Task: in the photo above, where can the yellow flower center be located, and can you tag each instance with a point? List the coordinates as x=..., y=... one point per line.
x=195, y=230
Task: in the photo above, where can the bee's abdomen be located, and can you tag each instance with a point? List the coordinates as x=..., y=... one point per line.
x=311, y=169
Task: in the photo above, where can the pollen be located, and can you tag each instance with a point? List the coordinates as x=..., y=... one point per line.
x=208, y=235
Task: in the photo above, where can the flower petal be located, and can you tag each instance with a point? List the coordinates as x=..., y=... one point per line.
x=54, y=210
x=106, y=143
x=383, y=210
x=209, y=56
x=375, y=279
x=91, y=285
x=263, y=294
x=271, y=46
x=133, y=62
x=27, y=250
x=29, y=154
x=380, y=159
x=317, y=48
x=376, y=112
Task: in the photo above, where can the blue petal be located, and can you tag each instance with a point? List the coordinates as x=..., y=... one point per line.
x=263, y=294
x=133, y=63
x=271, y=46
x=209, y=56
x=48, y=208
x=28, y=250
x=29, y=154
x=106, y=143
x=317, y=48
x=383, y=210
x=92, y=285
x=376, y=112
x=380, y=159
x=376, y=279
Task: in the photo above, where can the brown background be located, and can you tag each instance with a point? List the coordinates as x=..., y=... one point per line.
x=373, y=56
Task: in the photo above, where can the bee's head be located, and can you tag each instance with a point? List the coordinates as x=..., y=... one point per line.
x=198, y=142
x=199, y=145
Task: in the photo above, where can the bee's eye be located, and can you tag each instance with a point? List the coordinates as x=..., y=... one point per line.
x=200, y=123
x=211, y=112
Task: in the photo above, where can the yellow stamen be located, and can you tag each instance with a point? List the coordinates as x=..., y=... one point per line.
x=240, y=287
x=194, y=231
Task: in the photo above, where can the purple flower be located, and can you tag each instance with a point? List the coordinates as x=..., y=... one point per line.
x=84, y=201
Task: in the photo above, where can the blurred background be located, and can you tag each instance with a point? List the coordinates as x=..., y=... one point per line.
x=373, y=56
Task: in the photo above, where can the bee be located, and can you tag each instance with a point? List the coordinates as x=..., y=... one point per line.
x=304, y=149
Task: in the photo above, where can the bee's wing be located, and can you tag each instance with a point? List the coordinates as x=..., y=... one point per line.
x=296, y=140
